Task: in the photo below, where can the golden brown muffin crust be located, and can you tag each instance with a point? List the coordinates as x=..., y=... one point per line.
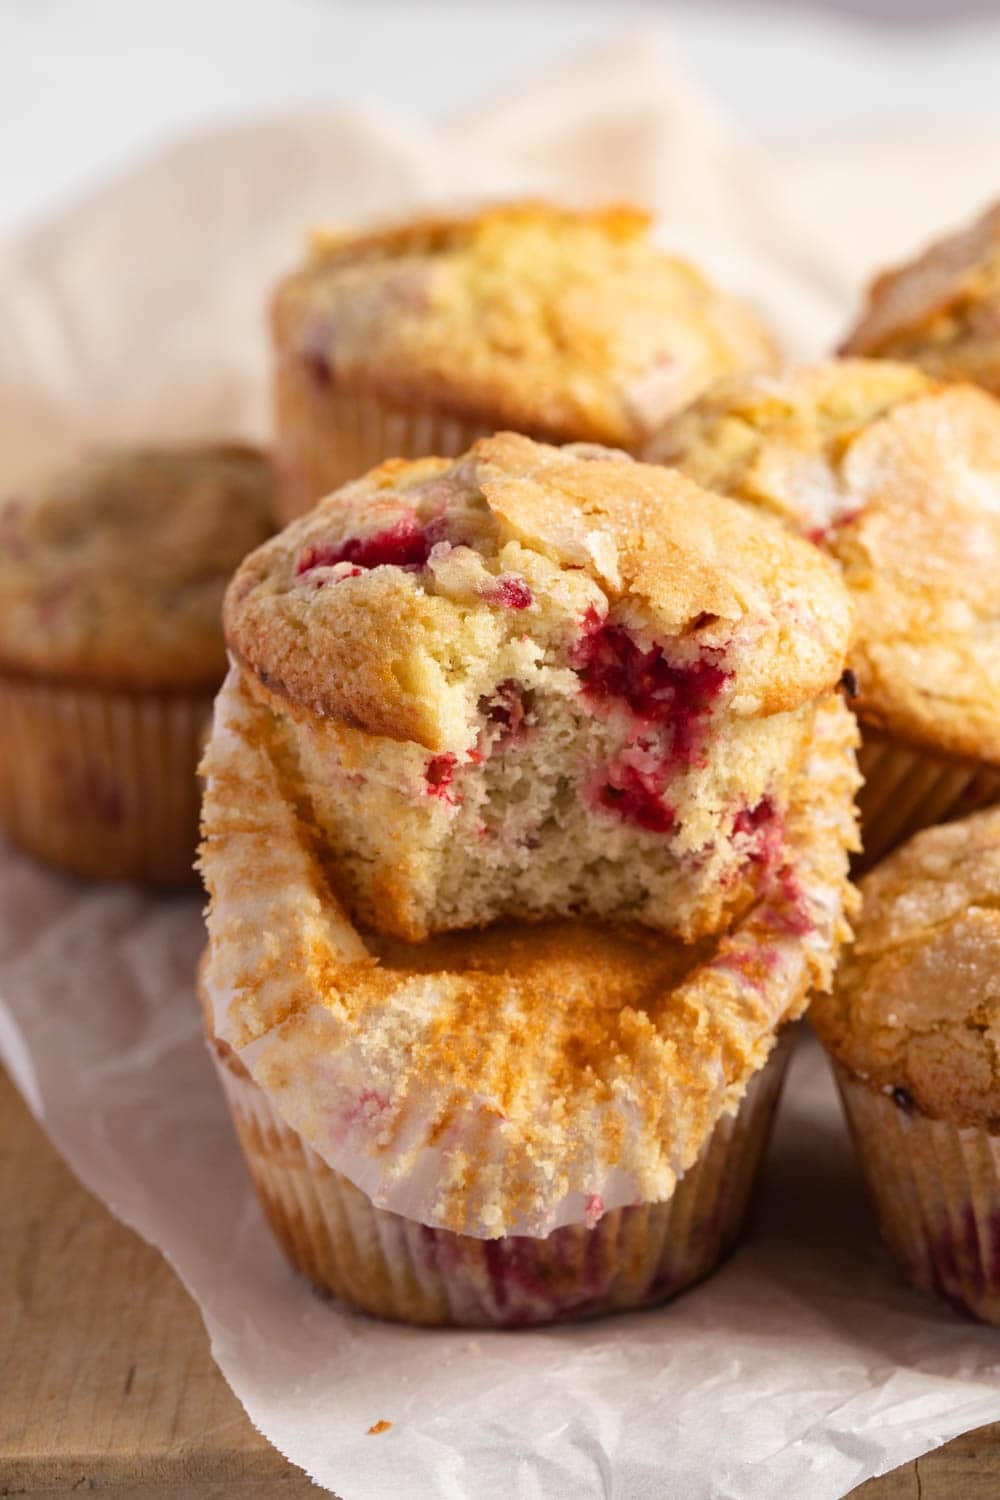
x=382, y=649
x=113, y=571
x=568, y=325
x=916, y=1005
x=898, y=479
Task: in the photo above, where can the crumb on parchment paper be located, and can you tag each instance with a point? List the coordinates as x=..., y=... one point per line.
x=377, y=1427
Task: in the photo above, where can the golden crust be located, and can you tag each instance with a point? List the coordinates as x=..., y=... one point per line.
x=916, y=1004
x=898, y=478
x=386, y=650
x=112, y=572
x=568, y=325
x=528, y=1062
x=942, y=310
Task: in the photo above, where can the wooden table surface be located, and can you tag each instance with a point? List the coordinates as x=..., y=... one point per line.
x=107, y=1383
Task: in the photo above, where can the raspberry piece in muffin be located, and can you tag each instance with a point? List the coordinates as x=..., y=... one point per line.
x=572, y=705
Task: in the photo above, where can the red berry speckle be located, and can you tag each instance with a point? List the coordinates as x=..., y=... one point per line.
x=509, y=592
x=402, y=545
x=593, y=1210
x=613, y=666
x=439, y=775
x=635, y=796
x=763, y=828
x=670, y=707
x=790, y=912
x=319, y=368
x=821, y=534
x=508, y=707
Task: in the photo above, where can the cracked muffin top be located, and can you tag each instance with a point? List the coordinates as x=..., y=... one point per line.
x=113, y=570
x=394, y=605
x=898, y=478
x=568, y=325
x=942, y=310
x=915, y=1010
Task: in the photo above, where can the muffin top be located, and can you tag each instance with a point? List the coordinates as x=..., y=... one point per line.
x=113, y=571
x=898, y=478
x=513, y=1080
x=916, y=1006
x=568, y=325
x=403, y=597
x=942, y=310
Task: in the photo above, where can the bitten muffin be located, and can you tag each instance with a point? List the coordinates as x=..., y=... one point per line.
x=418, y=338
x=111, y=648
x=491, y=1127
x=898, y=478
x=942, y=310
x=913, y=1025
x=536, y=682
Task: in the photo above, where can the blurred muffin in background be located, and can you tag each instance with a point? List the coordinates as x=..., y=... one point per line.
x=112, y=574
x=942, y=310
x=418, y=338
x=912, y=1027
x=897, y=477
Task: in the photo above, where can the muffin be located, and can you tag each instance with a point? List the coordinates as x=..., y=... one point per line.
x=418, y=338
x=111, y=648
x=898, y=478
x=913, y=1026
x=942, y=310
x=530, y=1123
x=537, y=682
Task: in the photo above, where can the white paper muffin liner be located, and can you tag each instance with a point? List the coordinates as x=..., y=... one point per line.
x=326, y=438
x=906, y=790
x=936, y=1190
x=101, y=783
x=397, y=1268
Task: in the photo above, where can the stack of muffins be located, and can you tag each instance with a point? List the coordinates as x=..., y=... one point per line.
x=530, y=793
x=526, y=826
x=531, y=790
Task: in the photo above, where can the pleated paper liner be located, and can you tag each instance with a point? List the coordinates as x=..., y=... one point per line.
x=101, y=783
x=936, y=1190
x=328, y=436
x=395, y=1268
x=906, y=790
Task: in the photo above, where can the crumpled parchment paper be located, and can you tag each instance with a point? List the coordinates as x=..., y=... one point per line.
x=804, y=1366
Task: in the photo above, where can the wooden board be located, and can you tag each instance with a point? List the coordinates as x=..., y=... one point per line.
x=107, y=1383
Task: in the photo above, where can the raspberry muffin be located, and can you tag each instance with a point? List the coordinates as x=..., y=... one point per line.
x=111, y=582
x=418, y=338
x=898, y=478
x=537, y=682
x=942, y=310
x=913, y=1026
x=512, y=1126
